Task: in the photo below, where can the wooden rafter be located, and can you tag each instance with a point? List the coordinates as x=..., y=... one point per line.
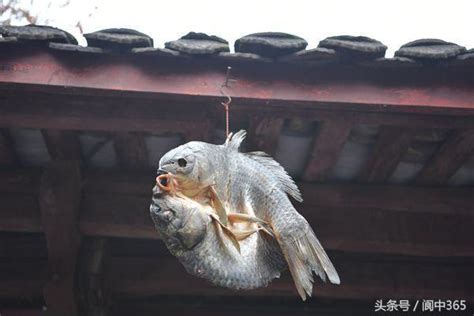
x=131, y=150
x=7, y=153
x=360, y=279
x=62, y=145
x=239, y=305
x=392, y=143
x=59, y=198
x=22, y=278
x=363, y=276
x=46, y=111
x=456, y=150
x=327, y=146
x=357, y=218
x=341, y=87
x=264, y=133
x=94, y=295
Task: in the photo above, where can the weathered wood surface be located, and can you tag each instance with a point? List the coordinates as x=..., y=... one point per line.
x=264, y=133
x=392, y=143
x=131, y=150
x=327, y=146
x=62, y=145
x=342, y=87
x=362, y=277
x=360, y=218
x=452, y=154
x=7, y=153
x=129, y=113
x=59, y=198
x=240, y=305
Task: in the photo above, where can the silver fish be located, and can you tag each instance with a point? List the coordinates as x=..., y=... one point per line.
x=257, y=187
x=190, y=234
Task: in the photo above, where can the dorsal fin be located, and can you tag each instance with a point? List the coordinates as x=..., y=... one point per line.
x=234, y=141
x=286, y=182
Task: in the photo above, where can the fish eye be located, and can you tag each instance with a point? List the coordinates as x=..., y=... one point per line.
x=182, y=162
x=164, y=181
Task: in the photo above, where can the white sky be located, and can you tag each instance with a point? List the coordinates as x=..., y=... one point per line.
x=392, y=22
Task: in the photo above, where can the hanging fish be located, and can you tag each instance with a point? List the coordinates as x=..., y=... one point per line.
x=249, y=189
x=191, y=235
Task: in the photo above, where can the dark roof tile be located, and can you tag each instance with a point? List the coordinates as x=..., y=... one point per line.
x=199, y=44
x=265, y=47
x=154, y=51
x=204, y=36
x=355, y=47
x=75, y=48
x=430, y=49
x=394, y=62
x=317, y=55
x=8, y=40
x=464, y=59
x=270, y=44
x=38, y=33
x=244, y=57
x=118, y=39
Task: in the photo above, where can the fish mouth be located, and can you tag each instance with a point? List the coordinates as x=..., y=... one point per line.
x=160, y=214
x=155, y=212
x=167, y=181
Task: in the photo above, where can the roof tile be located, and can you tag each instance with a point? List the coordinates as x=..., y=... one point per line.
x=355, y=47
x=38, y=33
x=118, y=39
x=429, y=49
x=270, y=44
x=199, y=44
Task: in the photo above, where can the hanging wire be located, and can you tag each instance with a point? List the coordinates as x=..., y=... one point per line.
x=226, y=104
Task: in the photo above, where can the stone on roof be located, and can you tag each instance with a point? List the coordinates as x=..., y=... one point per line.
x=464, y=59
x=154, y=51
x=265, y=47
x=118, y=39
x=243, y=57
x=356, y=47
x=38, y=33
x=199, y=44
x=8, y=40
x=430, y=49
x=393, y=62
x=75, y=48
x=467, y=56
x=317, y=55
x=270, y=44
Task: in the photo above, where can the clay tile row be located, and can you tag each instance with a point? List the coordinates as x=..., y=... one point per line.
x=258, y=47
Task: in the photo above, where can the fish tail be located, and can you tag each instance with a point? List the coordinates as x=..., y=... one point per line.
x=304, y=256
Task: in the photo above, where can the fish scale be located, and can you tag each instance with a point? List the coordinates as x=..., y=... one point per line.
x=259, y=262
x=255, y=184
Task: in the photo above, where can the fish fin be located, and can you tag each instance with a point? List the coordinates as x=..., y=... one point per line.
x=245, y=218
x=234, y=141
x=284, y=179
x=267, y=230
x=223, y=230
x=304, y=256
x=242, y=234
x=217, y=205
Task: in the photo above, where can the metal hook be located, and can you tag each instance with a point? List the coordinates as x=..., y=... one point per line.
x=226, y=104
x=226, y=84
x=229, y=98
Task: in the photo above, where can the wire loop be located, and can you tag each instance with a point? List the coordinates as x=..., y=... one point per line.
x=226, y=104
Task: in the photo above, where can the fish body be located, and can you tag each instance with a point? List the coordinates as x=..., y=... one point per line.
x=256, y=185
x=191, y=236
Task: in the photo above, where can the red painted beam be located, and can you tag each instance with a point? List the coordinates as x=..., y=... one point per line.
x=431, y=92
